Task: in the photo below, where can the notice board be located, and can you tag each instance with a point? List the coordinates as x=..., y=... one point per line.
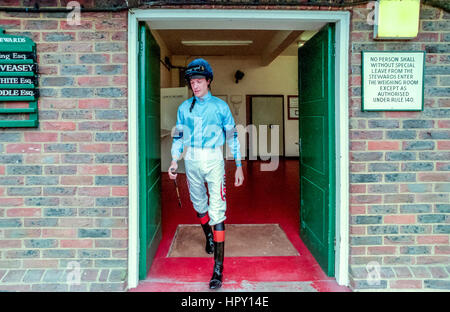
x=18, y=81
x=392, y=80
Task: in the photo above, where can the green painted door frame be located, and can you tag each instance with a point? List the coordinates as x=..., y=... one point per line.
x=149, y=148
x=317, y=147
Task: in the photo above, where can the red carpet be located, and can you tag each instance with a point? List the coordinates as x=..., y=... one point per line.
x=265, y=197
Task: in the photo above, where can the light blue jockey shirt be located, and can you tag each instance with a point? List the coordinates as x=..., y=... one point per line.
x=209, y=125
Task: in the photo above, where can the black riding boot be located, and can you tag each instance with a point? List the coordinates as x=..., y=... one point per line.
x=216, y=279
x=219, y=248
x=204, y=218
x=209, y=248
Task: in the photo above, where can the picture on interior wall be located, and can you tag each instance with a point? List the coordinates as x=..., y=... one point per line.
x=292, y=107
x=222, y=97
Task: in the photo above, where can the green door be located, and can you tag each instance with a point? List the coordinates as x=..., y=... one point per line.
x=317, y=151
x=149, y=149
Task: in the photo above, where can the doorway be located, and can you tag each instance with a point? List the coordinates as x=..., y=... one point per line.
x=247, y=19
x=266, y=114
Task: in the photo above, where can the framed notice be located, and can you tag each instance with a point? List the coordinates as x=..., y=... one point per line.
x=392, y=80
x=292, y=107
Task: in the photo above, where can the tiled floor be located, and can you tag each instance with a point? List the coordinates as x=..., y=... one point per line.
x=265, y=197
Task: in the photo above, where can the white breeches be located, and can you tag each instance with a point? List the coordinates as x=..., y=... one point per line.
x=207, y=165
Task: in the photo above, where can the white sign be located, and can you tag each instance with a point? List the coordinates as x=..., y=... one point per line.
x=392, y=80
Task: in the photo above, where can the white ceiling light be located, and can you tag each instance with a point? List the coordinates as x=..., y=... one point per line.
x=216, y=42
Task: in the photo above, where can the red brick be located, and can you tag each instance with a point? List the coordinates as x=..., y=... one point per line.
x=442, y=250
x=10, y=243
x=59, y=125
x=357, y=230
x=46, y=47
x=119, y=191
x=77, y=180
x=444, y=124
x=365, y=135
x=94, y=191
x=111, y=24
x=76, y=137
x=443, y=145
x=9, y=24
x=119, y=125
x=442, y=166
x=48, y=70
x=11, y=202
x=40, y=264
x=76, y=222
x=59, y=233
x=42, y=158
x=406, y=284
x=366, y=199
x=381, y=250
x=94, y=169
x=77, y=243
x=434, y=177
x=361, y=188
x=119, y=36
x=119, y=148
x=120, y=80
x=58, y=103
x=93, y=81
x=444, y=102
x=357, y=251
x=426, y=37
x=400, y=219
x=93, y=103
x=119, y=233
x=358, y=167
x=95, y=148
x=40, y=136
x=23, y=148
x=358, y=146
x=28, y=233
x=433, y=259
x=433, y=239
x=84, y=24
x=402, y=114
x=76, y=47
x=40, y=24
x=23, y=212
x=120, y=169
x=383, y=145
x=119, y=58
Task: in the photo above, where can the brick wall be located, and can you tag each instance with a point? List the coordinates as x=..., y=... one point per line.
x=63, y=186
x=399, y=169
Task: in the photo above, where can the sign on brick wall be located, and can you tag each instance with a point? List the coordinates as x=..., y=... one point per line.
x=18, y=80
x=392, y=80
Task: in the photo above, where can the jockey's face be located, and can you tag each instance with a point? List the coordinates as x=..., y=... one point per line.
x=199, y=86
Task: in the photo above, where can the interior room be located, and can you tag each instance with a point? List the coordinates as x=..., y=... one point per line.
x=256, y=73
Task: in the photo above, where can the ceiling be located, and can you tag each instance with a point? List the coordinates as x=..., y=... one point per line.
x=266, y=44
